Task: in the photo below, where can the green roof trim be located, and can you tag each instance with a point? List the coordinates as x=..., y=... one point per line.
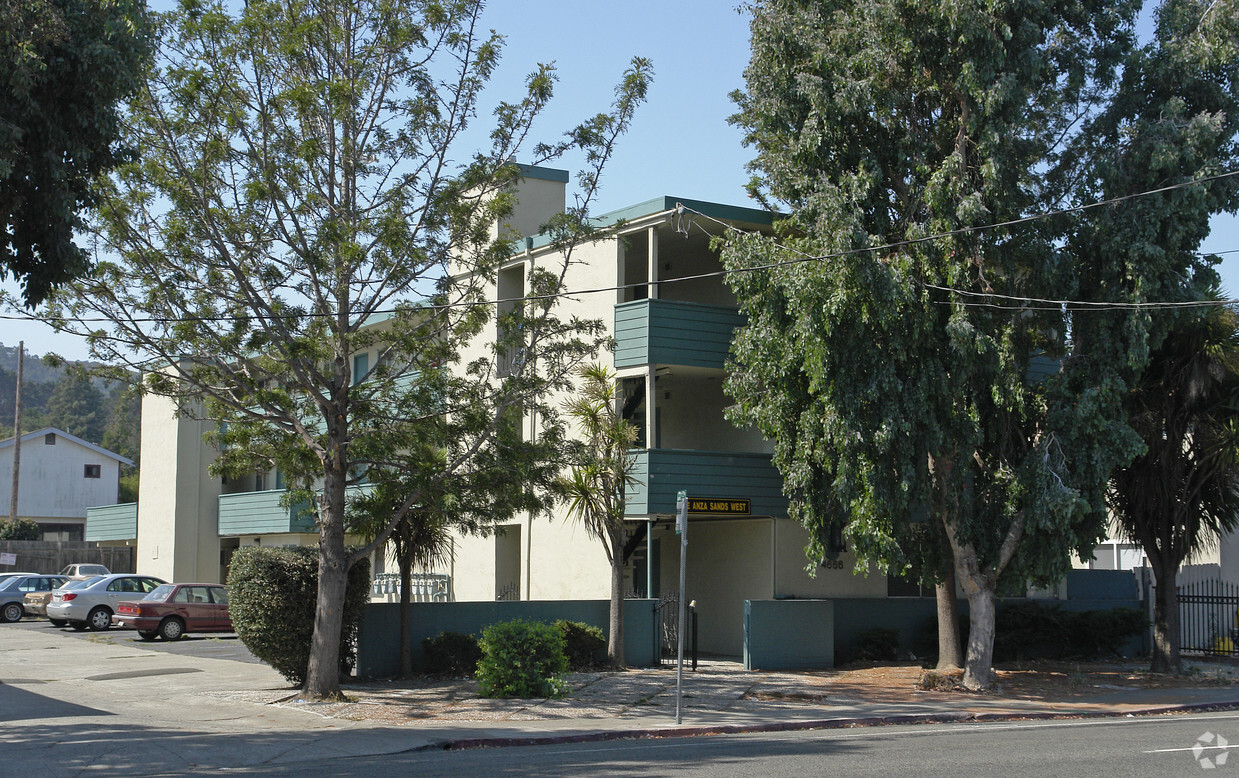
x=732, y=213
x=542, y=173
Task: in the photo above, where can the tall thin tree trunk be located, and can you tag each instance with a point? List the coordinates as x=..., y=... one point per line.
x=406, y=596
x=323, y=674
x=1166, y=620
x=615, y=635
x=979, y=667
x=17, y=431
x=950, y=656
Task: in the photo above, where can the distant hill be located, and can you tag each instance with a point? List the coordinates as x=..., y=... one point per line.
x=92, y=409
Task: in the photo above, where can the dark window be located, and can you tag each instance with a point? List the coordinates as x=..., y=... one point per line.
x=49, y=439
x=898, y=586
x=93, y=471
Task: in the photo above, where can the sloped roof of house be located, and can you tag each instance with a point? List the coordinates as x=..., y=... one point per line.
x=70, y=437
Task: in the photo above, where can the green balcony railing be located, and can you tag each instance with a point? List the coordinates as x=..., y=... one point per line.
x=715, y=474
x=256, y=513
x=670, y=332
x=112, y=522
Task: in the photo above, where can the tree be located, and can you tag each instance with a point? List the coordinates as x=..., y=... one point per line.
x=20, y=529
x=64, y=67
x=897, y=352
x=76, y=406
x=297, y=206
x=1182, y=493
x=598, y=482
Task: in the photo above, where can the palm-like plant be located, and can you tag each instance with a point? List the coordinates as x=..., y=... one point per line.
x=598, y=481
x=1183, y=492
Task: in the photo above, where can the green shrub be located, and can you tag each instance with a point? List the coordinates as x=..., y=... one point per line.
x=876, y=645
x=451, y=653
x=583, y=644
x=20, y=529
x=522, y=659
x=271, y=597
x=1031, y=629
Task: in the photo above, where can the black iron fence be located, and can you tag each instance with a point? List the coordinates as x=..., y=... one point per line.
x=667, y=618
x=1208, y=623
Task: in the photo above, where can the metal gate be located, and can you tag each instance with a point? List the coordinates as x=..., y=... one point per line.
x=667, y=621
x=1207, y=618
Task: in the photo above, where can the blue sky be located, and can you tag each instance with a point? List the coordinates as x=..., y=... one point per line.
x=680, y=143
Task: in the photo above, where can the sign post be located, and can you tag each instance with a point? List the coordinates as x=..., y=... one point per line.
x=681, y=528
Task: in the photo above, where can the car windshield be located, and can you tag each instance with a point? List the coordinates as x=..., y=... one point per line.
x=91, y=570
x=90, y=582
x=78, y=584
x=160, y=593
x=9, y=584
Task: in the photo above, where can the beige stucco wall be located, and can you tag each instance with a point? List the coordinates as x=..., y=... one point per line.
x=177, y=499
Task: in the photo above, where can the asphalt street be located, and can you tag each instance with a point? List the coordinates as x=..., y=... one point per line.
x=1163, y=746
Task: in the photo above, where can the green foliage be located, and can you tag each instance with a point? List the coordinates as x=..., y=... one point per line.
x=522, y=659
x=583, y=644
x=451, y=653
x=877, y=644
x=303, y=200
x=903, y=371
x=1031, y=630
x=19, y=529
x=64, y=66
x=271, y=596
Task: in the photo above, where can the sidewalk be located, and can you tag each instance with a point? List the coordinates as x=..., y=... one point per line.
x=103, y=703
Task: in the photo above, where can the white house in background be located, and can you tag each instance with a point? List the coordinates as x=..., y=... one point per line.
x=60, y=476
x=1221, y=560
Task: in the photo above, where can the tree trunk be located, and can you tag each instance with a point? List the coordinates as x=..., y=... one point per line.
x=949, y=655
x=615, y=635
x=322, y=679
x=406, y=595
x=979, y=667
x=1166, y=621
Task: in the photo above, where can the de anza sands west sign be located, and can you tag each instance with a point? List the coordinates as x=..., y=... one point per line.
x=729, y=506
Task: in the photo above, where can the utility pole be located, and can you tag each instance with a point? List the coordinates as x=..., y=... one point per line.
x=17, y=431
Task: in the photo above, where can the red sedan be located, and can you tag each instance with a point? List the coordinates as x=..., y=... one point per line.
x=171, y=610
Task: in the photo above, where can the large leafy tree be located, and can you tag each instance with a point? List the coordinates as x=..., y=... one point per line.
x=1182, y=493
x=64, y=67
x=298, y=202
x=903, y=357
x=597, y=484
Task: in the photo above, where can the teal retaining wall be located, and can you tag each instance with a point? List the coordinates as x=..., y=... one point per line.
x=378, y=639
x=789, y=634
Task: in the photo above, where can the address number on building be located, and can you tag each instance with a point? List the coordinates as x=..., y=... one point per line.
x=725, y=505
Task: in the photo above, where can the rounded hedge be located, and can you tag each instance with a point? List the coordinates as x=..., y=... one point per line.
x=522, y=659
x=271, y=598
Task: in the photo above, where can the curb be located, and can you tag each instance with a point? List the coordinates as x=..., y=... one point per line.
x=809, y=724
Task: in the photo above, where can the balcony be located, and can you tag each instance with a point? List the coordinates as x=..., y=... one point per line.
x=112, y=522
x=256, y=513
x=736, y=475
x=670, y=332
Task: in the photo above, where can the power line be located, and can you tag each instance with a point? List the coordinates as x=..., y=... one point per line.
x=804, y=257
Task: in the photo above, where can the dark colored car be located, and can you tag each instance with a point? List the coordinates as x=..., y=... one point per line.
x=15, y=589
x=171, y=610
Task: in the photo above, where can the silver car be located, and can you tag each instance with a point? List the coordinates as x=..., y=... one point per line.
x=13, y=591
x=91, y=604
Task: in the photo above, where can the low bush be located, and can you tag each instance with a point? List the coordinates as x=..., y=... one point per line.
x=451, y=653
x=271, y=596
x=522, y=659
x=584, y=645
x=877, y=644
x=1032, y=630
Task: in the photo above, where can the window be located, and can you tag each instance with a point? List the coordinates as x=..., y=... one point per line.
x=93, y=471
x=361, y=366
x=49, y=439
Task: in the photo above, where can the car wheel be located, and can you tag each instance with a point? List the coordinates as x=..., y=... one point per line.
x=171, y=629
x=58, y=622
x=147, y=634
x=12, y=612
x=99, y=619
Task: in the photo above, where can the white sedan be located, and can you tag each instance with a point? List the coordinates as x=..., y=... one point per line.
x=91, y=604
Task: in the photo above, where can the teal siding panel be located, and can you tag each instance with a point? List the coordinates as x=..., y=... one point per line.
x=256, y=513
x=670, y=332
x=112, y=522
x=664, y=473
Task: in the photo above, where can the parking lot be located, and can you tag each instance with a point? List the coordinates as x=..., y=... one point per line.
x=223, y=645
